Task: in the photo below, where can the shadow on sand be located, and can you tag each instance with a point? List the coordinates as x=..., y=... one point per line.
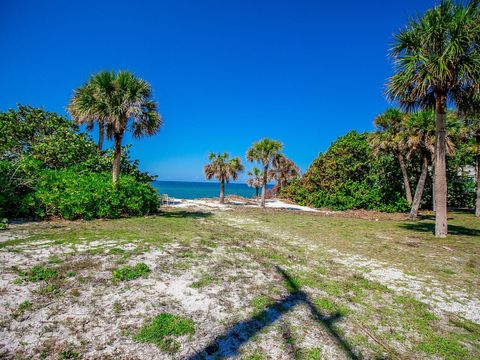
x=228, y=344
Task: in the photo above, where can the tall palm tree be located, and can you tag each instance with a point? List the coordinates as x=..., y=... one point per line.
x=388, y=138
x=122, y=102
x=255, y=179
x=222, y=168
x=436, y=57
x=264, y=151
x=283, y=169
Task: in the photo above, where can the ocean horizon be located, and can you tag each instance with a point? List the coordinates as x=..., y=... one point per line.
x=197, y=189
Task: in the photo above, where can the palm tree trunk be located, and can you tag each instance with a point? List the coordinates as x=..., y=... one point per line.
x=222, y=192
x=256, y=192
x=117, y=155
x=101, y=135
x=419, y=191
x=264, y=185
x=440, y=183
x=406, y=182
x=477, y=205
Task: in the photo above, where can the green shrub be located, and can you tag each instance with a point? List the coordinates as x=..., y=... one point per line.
x=72, y=195
x=347, y=176
x=39, y=273
x=162, y=329
x=130, y=272
x=42, y=152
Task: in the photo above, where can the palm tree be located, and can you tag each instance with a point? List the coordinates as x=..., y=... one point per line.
x=419, y=136
x=264, y=151
x=120, y=101
x=283, y=169
x=85, y=109
x=255, y=179
x=387, y=138
x=222, y=168
x=436, y=58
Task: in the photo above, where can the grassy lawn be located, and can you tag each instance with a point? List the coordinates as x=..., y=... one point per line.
x=246, y=284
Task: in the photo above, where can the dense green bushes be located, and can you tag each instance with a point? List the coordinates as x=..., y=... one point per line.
x=348, y=176
x=71, y=195
x=48, y=168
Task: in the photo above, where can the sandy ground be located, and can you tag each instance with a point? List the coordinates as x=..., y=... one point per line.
x=97, y=317
x=234, y=202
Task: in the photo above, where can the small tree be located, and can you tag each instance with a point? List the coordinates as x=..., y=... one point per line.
x=264, y=151
x=388, y=138
x=119, y=101
x=283, y=169
x=255, y=179
x=222, y=168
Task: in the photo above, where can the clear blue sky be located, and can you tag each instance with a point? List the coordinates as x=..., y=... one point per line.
x=225, y=73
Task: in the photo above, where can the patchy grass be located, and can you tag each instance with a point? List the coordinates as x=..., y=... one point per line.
x=130, y=272
x=39, y=273
x=221, y=269
x=205, y=280
x=163, y=329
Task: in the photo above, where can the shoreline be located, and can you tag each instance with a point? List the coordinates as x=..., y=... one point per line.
x=233, y=201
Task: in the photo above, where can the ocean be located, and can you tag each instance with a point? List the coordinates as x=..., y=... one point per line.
x=195, y=190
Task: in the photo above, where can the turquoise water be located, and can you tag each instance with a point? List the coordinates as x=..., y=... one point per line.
x=195, y=190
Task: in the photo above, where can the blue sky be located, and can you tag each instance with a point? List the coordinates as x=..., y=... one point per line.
x=225, y=73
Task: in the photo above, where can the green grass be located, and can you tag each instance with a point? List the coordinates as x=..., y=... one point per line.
x=163, y=329
x=130, y=272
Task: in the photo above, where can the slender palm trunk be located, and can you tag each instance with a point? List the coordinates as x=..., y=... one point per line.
x=222, y=191
x=117, y=155
x=440, y=183
x=101, y=135
x=406, y=182
x=477, y=171
x=419, y=190
x=256, y=192
x=264, y=185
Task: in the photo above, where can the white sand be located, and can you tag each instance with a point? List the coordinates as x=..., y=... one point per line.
x=210, y=204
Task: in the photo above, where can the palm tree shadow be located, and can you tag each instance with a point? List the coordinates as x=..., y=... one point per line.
x=184, y=214
x=430, y=227
x=229, y=344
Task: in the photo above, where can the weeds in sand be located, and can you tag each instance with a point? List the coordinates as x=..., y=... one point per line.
x=69, y=354
x=162, y=330
x=55, y=259
x=117, y=307
x=50, y=290
x=309, y=354
x=24, y=306
x=39, y=273
x=205, y=280
x=130, y=272
x=21, y=309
